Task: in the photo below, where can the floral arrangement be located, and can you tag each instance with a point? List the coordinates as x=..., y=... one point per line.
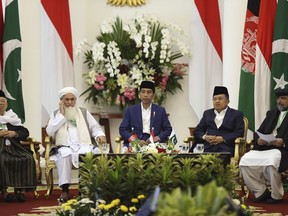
x=87, y=207
x=126, y=53
x=151, y=147
x=175, y=202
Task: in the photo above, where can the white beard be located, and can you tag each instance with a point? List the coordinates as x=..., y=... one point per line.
x=71, y=113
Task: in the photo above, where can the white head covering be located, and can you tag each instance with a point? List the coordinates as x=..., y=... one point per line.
x=67, y=90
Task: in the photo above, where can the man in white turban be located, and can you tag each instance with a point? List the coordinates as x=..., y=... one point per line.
x=72, y=128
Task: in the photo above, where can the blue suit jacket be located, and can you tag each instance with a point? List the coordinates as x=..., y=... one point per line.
x=133, y=119
x=231, y=128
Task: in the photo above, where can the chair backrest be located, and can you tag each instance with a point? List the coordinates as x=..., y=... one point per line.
x=245, y=127
x=240, y=143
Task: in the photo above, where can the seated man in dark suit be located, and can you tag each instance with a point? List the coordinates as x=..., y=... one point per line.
x=145, y=118
x=219, y=126
x=265, y=163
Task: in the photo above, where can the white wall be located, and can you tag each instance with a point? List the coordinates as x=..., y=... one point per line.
x=86, y=17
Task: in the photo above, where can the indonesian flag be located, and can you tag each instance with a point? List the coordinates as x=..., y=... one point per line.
x=263, y=59
x=205, y=67
x=56, y=53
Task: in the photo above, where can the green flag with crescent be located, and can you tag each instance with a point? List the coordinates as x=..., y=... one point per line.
x=12, y=85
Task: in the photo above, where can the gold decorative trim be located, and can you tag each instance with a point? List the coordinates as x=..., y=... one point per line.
x=131, y=3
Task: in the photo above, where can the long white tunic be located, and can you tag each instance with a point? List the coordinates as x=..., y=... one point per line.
x=70, y=155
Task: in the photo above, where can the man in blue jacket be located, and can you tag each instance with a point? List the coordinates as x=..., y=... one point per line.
x=221, y=125
x=145, y=118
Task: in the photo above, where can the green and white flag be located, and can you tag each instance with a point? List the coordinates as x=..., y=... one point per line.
x=12, y=84
x=279, y=76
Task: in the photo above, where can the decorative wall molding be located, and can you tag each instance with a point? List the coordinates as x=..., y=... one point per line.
x=131, y=3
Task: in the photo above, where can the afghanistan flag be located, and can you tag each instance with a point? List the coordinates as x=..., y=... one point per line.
x=246, y=92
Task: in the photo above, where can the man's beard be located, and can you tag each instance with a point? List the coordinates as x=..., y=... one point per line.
x=281, y=107
x=71, y=113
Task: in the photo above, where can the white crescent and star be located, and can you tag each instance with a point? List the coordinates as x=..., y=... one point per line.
x=279, y=46
x=9, y=47
x=280, y=83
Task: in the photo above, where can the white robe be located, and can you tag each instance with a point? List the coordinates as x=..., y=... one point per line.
x=66, y=157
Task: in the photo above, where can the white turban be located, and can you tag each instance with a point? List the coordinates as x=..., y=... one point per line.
x=67, y=90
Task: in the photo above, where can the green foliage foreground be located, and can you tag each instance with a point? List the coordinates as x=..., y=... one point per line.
x=122, y=177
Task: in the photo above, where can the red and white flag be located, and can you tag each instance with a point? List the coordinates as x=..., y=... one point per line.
x=56, y=53
x=205, y=67
x=265, y=30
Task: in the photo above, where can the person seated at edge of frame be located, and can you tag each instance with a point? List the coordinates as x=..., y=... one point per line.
x=219, y=126
x=268, y=160
x=17, y=165
x=142, y=118
x=72, y=128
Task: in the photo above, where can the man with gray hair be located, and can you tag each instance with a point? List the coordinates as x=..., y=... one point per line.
x=72, y=128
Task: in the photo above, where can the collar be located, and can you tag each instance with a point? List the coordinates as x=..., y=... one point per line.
x=221, y=113
x=149, y=108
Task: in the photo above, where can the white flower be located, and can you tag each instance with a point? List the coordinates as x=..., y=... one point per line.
x=136, y=74
x=98, y=51
x=90, y=77
x=85, y=201
x=79, y=46
x=106, y=28
x=122, y=81
x=130, y=51
x=236, y=202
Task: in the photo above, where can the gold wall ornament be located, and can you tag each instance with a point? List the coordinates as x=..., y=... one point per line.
x=131, y=3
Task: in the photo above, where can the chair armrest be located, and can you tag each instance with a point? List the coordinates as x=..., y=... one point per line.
x=32, y=144
x=48, y=144
x=250, y=145
x=189, y=139
x=240, y=148
x=118, y=141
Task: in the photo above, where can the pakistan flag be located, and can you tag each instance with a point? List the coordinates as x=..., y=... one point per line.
x=12, y=85
x=279, y=76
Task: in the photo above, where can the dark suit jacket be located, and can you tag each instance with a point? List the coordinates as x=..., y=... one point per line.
x=133, y=119
x=267, y=127
x=231, y=128
x=17, y=165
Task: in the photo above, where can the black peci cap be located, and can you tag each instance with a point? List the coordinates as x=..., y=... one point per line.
x=147, y=84
x=2, y=94
x=281, y=92
x=220, y=90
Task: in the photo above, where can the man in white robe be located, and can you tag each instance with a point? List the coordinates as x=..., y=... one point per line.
x=263, y=165
x=72, y=128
